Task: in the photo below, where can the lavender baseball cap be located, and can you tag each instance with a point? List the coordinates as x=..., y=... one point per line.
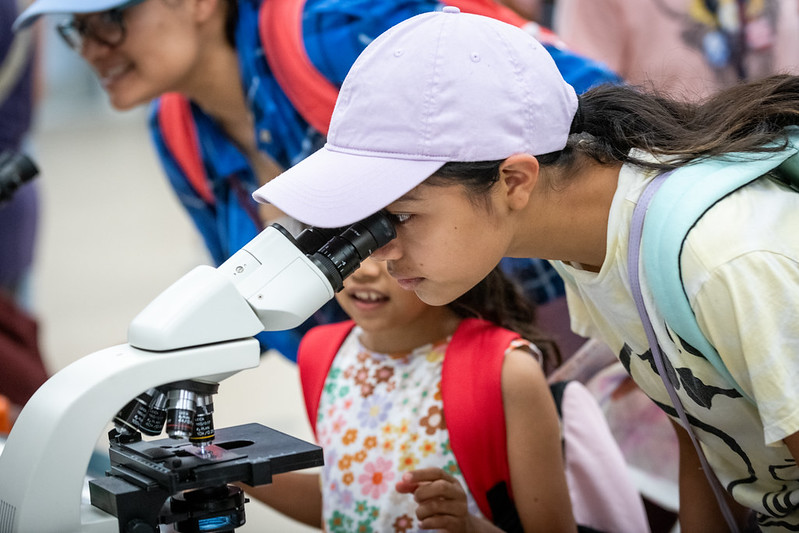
x=438, y=87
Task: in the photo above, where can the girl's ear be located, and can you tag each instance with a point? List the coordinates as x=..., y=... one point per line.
x=519, y=173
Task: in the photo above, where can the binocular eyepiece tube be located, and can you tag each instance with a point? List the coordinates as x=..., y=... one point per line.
x=338, y=252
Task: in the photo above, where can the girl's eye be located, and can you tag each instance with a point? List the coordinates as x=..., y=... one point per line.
x=400, y=218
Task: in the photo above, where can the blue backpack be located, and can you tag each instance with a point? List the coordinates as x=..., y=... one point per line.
x=676, y=207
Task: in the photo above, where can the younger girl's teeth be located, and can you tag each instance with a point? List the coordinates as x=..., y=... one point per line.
x=367, y=296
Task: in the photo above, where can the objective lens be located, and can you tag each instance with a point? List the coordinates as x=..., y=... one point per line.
x=203, y=431
x=132, y=415
x=180, y=413
x=154, y=420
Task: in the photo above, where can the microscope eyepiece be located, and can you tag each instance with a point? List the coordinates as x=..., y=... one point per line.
x=345, y=248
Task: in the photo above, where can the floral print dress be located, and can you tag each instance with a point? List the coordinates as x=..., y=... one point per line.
x=381, y=415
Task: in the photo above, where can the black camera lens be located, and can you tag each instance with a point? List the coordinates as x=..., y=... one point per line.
x=342, y=254
x=15, y=169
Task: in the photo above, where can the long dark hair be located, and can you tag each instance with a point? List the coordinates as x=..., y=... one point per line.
x=613, y=119
x=499, y=299
x=748, y=117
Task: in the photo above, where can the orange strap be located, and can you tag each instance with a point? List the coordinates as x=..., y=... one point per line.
x=280, y=27
x=180, y=136
x=5, y=415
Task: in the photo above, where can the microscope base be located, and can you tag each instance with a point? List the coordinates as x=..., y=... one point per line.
x=144, y=475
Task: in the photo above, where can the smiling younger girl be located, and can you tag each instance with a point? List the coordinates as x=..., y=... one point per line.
x=389, y=465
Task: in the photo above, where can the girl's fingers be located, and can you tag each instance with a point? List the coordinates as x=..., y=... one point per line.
x=411, y=481
x=441, y=507
x=443, y=523
x=427, y=474
x=433, y=490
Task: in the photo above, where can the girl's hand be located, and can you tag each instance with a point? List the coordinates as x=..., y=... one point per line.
x=441, y=499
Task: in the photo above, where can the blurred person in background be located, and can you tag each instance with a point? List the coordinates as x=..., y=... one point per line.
x=225, y=120
x=688, y=49
x=22, y=370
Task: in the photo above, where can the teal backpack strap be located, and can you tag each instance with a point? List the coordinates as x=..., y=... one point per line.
x=681, y=201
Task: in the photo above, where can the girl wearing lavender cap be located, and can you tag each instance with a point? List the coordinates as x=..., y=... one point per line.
x=463, y=129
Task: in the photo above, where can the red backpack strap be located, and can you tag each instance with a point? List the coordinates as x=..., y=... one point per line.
x=489, y=8
x=471, y=382
x=180, y=137
x=280, y=27
x=493, y=9
x=315, y=355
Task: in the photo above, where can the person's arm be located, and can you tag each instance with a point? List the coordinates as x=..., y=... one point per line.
x=535, y=460
x=535, y=457
x=294, y=494
x=699, y=512
x=792, y=442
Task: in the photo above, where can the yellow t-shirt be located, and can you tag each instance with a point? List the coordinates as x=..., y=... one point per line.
x=740, y=268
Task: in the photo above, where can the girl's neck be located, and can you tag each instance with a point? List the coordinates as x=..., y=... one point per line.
x=216, y=87
x=218, y=90
x=572, y=227
x=430, y=328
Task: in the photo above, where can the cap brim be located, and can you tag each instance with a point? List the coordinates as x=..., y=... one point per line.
x=46, y=7
x=330, y=189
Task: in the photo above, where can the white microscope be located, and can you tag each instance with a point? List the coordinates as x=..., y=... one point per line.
x=193, y=335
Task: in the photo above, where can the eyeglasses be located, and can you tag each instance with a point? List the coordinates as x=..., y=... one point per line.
x=105, y=27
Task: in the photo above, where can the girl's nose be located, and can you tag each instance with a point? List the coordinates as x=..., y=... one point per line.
x=389, y=252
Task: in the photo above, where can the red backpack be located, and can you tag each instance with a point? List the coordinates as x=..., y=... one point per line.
x=603, y=497
x=310, y=92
